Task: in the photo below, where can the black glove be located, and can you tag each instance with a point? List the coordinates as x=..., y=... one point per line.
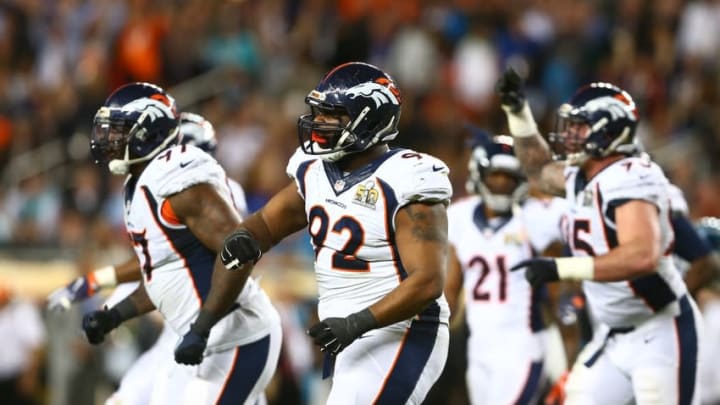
x=540, y=270
x=511, y=90
x=190, y=349
x=97, y=324
x=335, y=334
x=239, y=248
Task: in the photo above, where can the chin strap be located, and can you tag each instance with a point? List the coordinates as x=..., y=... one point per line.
x=122, y=166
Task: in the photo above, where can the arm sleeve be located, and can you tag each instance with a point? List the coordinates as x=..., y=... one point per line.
x=689, y=245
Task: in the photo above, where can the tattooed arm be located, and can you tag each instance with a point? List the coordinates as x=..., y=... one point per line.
x=421, y=240
x=534, y=153
x=530, y=147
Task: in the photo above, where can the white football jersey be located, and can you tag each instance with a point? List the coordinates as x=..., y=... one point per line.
x=238, y=197
x=177, y=268
x=592, y=232
x=351, y=221
x=678, y=204
x=498, y=301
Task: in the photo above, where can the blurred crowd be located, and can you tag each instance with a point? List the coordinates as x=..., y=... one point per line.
x=247, y=66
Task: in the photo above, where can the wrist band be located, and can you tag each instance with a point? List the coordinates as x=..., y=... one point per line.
x=125, y=310
x=105, y=276
x=203, y=323
x=521, y=124
x=576, y=268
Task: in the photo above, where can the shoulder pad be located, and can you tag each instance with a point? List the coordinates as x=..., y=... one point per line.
x=634, y=178
x=296, y=160
x=678, y=203
x=180, y=167
x=417, y=177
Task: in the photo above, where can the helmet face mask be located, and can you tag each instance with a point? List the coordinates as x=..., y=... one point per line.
x=354, y=107
x=568, y=142
x=326, y=131
x=495, y=174
x=136, y=122
x=108, y=139
x=598, y=121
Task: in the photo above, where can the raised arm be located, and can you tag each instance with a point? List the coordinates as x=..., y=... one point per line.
x=530, y=147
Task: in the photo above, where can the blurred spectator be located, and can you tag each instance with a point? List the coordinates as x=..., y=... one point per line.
x=36, y=207
x=21, y=354
x=138, y=56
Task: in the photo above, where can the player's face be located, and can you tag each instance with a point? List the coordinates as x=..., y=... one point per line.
x=499, y=182
x=575, y=134
x=327, y=134
x=108, y=141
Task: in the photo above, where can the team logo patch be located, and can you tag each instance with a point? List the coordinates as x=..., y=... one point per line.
x=366, y=195
x=517, y=238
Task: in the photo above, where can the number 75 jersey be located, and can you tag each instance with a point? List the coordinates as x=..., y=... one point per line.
x=592, y=231
x=351, y=221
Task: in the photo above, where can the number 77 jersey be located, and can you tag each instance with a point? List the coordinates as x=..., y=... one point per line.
x=351, y=221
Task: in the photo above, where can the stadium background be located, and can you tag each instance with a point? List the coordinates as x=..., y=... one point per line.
x=246, y=66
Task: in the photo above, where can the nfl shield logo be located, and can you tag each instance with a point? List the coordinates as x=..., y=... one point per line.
x=339, y=185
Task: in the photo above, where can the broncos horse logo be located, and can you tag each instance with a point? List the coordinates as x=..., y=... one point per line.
x=151, y=107
x=381, y=92
x=617, y=108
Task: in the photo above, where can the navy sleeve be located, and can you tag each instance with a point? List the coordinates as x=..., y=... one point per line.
x=689, y=245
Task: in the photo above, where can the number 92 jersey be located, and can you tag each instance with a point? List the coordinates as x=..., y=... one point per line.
x=351, y=221
x=592, y=232
x=177, y=268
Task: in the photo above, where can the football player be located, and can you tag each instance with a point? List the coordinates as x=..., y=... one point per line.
x=489, y=232
x=378, y=224
x=709, y=301
x=178, y=206
x=646, y=341
x=698, y=262
x=136, y=384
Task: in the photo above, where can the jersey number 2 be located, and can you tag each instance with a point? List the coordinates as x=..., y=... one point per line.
x=345, y=258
